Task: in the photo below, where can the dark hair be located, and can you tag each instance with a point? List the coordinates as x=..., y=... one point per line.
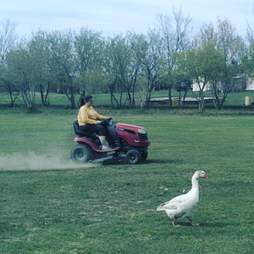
x=88, y=98
x=83, y=100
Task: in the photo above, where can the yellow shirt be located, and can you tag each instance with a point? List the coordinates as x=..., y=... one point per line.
x=87, y=114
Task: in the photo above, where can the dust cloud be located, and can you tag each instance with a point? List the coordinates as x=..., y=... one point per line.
x=33, y=161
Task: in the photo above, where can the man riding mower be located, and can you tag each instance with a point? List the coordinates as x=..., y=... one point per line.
x=99, y=139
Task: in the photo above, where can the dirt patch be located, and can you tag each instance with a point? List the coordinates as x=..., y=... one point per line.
x=33, y=161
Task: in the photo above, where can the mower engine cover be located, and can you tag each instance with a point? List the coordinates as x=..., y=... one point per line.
x=134, y=135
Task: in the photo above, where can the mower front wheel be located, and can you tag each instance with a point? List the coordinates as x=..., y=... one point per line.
x=81, y=153
x=133, y=156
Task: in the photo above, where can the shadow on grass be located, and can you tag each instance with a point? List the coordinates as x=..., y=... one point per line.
x=123, y=162
x=206, y=224
x=216, y=224
x=165, y=161
x=6, y=227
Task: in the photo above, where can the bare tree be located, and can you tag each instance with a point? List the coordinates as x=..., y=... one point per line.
x=232, y=47
x=7, y=38
x=134, y=43
x=19, y=73
x=174, y=30
x=89, y=47
x=122, y=64
x=40, y=72
x=63, y=63
x=7, y=42
x=9, y=86
x=151, y=58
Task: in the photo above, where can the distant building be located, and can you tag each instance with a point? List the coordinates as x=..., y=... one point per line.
x=250, y=85
x=240, y=83
x=195, y=87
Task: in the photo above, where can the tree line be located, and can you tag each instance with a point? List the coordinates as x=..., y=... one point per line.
x=128, y=67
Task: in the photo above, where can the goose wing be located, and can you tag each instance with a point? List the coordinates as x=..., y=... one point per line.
x=173, y=203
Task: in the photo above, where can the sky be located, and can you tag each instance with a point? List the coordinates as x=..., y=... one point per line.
x=119, y=16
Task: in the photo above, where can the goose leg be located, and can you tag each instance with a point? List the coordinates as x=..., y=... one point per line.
x=174, y=222
x=191, y=221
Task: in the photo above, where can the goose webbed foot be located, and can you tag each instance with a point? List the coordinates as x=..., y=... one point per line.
x=191, y=222
x=174, y=223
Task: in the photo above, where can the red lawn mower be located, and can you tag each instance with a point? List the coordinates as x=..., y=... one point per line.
x=132, y=144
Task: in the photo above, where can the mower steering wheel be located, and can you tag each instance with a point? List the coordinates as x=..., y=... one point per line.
x=107, y=122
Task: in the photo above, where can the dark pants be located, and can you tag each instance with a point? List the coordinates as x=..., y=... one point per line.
x=114, y=139
x=98, y=129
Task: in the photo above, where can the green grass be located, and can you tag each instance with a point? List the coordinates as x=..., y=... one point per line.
x=111, y=209
x=233, y=99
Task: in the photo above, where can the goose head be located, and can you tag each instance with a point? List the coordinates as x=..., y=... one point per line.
x=200, y=174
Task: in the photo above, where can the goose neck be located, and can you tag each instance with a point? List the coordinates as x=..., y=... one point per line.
x=194, y=183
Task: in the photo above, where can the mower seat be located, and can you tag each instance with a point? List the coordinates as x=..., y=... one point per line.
x=82, y=133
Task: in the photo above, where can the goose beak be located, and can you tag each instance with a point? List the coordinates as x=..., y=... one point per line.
x=206, y=176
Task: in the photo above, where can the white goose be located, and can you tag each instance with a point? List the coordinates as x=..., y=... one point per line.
x=182, y=205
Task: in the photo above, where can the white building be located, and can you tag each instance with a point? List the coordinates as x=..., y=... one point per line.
x=250, y=85
x=195, y=87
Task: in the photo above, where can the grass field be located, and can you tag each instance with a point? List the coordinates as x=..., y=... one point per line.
x=111, y=209
x=233, y=99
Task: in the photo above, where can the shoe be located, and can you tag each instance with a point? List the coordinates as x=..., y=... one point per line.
x=106, y=148
x=116, y=147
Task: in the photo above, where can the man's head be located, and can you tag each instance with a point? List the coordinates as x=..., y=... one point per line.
x=87, y=100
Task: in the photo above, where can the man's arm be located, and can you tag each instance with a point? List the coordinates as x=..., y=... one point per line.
x=100, y=117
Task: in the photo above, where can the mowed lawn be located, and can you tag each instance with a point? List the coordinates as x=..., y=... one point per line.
x=111, y=209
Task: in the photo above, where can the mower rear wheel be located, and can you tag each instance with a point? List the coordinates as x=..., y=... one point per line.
x=81, y=153
x=133, y=156
x=144, y=155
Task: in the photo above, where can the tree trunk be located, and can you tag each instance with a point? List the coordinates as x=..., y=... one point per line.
x=44, y=95
x=184, y=96
x=12, y=95
x=133, y=102
x=28, y=100
x=69, y=92
x=72, y=100
x=129, y=97
x=82, y=94
x=201, y=102
x=170, y=96
x=114, y=101
x=148, y=97
x=113, y=98
x=121, y=97
x=179, y=99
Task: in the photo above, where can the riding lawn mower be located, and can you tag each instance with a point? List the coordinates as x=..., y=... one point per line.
x=132, y=144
